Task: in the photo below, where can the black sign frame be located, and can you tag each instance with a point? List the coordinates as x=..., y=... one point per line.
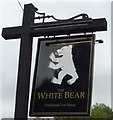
x=90, y=39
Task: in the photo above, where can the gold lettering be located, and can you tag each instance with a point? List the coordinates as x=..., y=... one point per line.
x=47, y=95
x=55, y=95
x=77, y=95
x=40, y=95
x=60, y=90
x=66, y=95
x=60, y=95
x=82, y=94
x=72, y=95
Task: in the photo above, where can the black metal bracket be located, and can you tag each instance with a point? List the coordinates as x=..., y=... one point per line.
x=83, y=15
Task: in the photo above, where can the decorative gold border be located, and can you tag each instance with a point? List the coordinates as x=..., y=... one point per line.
x=89, y=92
x=70, y=43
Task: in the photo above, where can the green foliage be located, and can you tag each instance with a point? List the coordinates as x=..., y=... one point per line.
x=101, y=111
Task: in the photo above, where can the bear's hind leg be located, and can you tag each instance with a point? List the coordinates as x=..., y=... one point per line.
x=61, y=75
x=74, y=78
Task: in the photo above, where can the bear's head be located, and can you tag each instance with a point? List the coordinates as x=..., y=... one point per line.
x=64, y=50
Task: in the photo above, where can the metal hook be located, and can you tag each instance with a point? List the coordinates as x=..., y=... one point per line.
x=99, y=41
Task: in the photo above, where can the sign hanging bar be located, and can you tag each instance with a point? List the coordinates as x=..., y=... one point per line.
x=72, y=25
x=78, y=39
x=58, y=28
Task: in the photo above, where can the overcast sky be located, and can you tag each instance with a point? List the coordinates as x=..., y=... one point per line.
x=11, y=15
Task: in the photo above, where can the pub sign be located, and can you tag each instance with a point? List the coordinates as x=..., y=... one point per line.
x=63, y=76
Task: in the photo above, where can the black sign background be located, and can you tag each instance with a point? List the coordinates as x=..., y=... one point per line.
x=73, y=103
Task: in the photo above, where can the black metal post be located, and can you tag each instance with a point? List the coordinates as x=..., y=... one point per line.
x=22, y=95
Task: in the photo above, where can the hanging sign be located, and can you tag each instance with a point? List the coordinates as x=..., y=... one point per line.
x=63, y=76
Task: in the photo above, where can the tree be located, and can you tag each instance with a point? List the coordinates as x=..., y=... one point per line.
x=101, y=111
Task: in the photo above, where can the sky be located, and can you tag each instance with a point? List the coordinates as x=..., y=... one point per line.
x=11, y=15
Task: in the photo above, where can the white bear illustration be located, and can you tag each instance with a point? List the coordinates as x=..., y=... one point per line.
x=63, y=59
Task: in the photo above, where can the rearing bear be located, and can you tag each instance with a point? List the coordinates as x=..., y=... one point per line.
x=64, y=61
